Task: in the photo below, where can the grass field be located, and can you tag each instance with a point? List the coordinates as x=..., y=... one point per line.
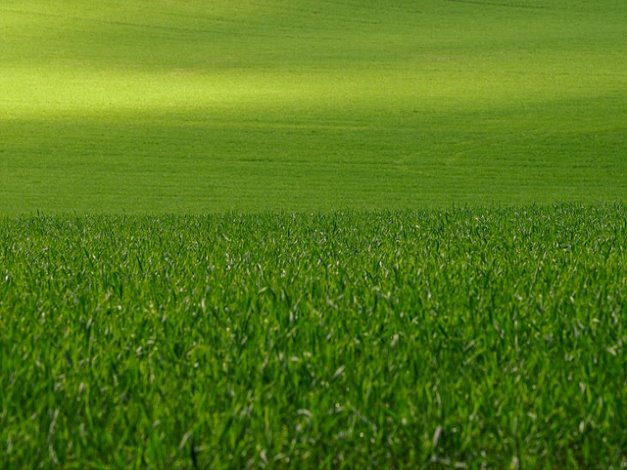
x=448, y=338
x=171, y=106
x=313, y=234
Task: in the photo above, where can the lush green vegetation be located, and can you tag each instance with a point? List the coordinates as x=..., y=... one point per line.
x=170, y=106
x=377, y=325
x=451, y=338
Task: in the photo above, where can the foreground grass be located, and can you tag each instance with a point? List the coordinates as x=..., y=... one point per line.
x=460, y=337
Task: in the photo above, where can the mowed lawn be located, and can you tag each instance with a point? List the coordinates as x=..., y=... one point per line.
x=169, y=106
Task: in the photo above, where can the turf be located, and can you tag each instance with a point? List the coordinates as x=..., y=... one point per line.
x=452, y=339
x=170, y=106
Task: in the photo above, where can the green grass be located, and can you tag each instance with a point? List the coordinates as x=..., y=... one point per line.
x=167, y=106
x=440, y=338
x=337, y=233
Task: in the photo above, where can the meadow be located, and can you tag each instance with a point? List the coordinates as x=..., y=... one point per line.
x=188, y=107
x=315, y=233
x=452, y=338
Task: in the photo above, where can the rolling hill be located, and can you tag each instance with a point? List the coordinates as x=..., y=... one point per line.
x=185, y=106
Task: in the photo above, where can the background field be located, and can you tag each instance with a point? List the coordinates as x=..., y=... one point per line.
x=167, y=106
